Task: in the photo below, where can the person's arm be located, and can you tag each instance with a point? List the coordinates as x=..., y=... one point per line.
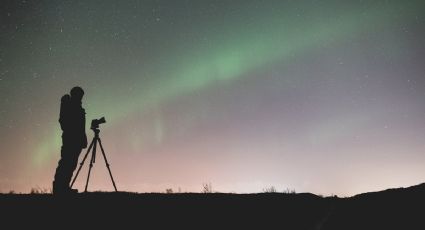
x=84, y=141
x=64, y=112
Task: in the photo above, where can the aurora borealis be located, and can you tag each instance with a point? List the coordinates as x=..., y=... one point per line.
x=318, y=96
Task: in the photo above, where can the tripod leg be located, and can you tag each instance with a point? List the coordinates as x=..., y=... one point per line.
x=107, y=164
x=91, y=162
x=82, y=162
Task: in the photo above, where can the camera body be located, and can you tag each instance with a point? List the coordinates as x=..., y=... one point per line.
x=96, y=122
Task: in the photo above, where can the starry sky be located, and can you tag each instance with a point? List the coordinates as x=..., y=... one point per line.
x=317, y=96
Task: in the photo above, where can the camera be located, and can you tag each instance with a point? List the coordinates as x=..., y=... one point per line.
x=96, y=122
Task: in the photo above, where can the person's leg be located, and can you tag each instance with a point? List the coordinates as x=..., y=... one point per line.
x=62, y=170
x=71, y=165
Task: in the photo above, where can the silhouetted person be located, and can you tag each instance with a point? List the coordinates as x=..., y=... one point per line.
x=72, y=119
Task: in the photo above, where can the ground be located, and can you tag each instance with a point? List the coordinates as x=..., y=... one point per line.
x=390, y=209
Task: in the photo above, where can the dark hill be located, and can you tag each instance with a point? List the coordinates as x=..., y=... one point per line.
x=390, y=209
x=400, y=208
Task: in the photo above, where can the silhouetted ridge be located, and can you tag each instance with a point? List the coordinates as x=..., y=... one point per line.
x=420, y=188
x=396, y=208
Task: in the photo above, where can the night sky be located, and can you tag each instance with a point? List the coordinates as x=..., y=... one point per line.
x=318, y=96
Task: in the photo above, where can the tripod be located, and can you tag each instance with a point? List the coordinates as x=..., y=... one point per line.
x=96, y=139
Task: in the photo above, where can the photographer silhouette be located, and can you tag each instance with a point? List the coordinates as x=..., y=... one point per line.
x=72, y=120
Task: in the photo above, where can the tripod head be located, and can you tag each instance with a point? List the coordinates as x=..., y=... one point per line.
x=96, y=132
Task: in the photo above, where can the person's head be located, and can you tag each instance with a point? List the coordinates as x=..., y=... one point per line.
x=77, y=93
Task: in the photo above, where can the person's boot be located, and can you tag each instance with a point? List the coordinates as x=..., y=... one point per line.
x=72, y=190
x=60, y=189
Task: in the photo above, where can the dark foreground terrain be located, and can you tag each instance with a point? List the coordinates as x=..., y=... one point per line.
x=402, y=208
